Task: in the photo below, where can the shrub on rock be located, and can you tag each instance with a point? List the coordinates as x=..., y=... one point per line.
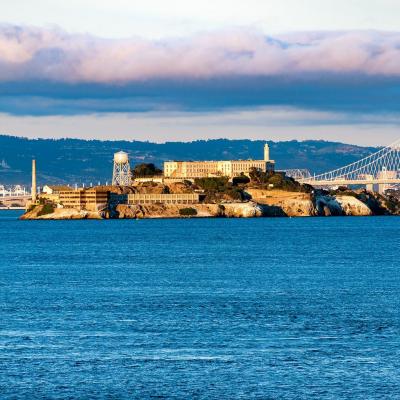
x=188, y=211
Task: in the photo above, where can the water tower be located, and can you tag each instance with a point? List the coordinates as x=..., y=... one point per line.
x=122, y=169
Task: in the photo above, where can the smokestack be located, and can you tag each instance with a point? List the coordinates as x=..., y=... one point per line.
x=33, y=181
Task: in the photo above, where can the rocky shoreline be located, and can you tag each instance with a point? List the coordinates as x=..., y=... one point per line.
x=262, y=194
x=263, y=203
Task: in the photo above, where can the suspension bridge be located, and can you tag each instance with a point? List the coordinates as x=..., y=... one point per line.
x=13, y=197
x=13, y=191
x=380, y=170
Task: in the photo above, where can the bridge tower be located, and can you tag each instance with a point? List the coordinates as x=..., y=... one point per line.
x=121, y=170
x=385, y=174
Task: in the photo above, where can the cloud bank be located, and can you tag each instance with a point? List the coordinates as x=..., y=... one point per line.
x=28, y=53
x=52, y=72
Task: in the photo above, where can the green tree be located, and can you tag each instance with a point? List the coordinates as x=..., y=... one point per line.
x=145, y=169
x=217, y=184
x=240, y=180
x=277, y=180
x=46, y=209
x=259, y=176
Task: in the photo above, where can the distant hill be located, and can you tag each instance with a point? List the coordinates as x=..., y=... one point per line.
x=75, y=161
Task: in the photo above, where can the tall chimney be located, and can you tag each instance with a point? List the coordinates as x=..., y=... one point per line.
x=33, y=181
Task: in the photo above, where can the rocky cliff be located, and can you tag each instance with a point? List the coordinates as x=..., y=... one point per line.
x=231, y=210
x=279, y=203
x=271, y=205
x=295, y=204
x=38, y=212
x=220, y=202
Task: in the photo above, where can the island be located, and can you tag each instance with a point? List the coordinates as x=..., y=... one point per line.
x=258, y=194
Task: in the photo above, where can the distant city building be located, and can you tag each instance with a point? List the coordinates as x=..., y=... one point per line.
x=202, y=169
x=386, y=174
x=4, y=165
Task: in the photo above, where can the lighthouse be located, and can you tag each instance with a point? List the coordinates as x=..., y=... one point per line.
x=266, y=152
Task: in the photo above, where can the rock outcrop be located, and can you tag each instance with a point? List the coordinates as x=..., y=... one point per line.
x=279, y=203
x=241, y=210
x=180, y=187
x=353, y=206
x=60, y=213
x=327, y=206
x=230, y=210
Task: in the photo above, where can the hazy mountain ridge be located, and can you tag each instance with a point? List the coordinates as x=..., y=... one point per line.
x=76, y=160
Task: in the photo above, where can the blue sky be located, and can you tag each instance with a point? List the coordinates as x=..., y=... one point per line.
x=161, y=18
x=184, y=70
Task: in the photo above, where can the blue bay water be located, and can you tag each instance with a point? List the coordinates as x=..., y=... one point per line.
x=200, y=308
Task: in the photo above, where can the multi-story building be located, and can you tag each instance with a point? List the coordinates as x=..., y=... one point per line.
x=91, y=199
x=52, y=193
x=202, y=169
x=166, y=198
x=54, y=189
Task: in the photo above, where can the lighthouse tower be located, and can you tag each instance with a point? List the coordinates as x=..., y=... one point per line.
x=266, y=152
x=121, y=170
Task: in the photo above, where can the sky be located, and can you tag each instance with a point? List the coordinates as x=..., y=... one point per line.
x=187, y=70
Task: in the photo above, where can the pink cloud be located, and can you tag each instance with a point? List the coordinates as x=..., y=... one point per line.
x=52, y=54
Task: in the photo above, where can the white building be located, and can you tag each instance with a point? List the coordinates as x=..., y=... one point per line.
x=231, y=168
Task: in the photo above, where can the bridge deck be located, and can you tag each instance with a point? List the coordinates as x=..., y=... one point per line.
x=344, y=182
